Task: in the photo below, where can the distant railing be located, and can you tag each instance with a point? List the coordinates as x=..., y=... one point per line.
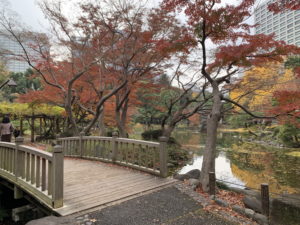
x=37, y=172
x=146, y=156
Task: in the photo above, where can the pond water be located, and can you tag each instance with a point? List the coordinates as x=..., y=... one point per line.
x=7, y=203
x=244, y=163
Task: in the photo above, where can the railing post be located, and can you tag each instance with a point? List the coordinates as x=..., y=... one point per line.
x=18, y=141
x=163, y=156
x=81, y=134
x=58, y=177
x=212, y=183
x=265, y=199
x=114, y=146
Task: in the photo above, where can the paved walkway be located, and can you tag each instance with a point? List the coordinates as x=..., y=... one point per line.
x=168, y=206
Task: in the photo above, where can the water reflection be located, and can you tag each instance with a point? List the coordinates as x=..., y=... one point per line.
x=223, y=169
x=246, y=163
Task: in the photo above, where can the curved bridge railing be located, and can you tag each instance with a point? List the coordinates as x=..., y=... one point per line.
x=150, y=157
x=36, y=172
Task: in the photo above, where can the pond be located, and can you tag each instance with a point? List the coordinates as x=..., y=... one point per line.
x=247, y=164
x=7, y=203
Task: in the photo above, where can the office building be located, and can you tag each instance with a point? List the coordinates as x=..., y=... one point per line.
x=10, y=49
x=285, y=25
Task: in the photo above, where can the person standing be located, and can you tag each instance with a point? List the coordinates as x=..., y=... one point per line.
x=6, y=129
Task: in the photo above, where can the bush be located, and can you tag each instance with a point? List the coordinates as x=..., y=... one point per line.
x=238, y=121
x=177, y=156
x=153, y=135
x=289, y=135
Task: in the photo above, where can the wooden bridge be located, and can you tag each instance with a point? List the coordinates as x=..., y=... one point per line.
x=84, y=172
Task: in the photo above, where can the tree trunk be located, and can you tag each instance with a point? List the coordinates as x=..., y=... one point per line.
x=167, y=131
x=208, y=164
x=68, y=108
x=121, y=116
x=102, y=128
x=32, y=128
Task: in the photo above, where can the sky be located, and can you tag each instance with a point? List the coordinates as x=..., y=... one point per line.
x=31, y=14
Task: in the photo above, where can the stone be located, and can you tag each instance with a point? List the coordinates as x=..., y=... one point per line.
x=181, y=177
x=251, y=193
x=252, y=203
x=171, y=165
x=194, y=182
x=237, y=190
x=238, y=209
x=249, y=213
x=195, y=174
x=221, y=202
x=285, y=210
x=260, y=218
x=212, y=197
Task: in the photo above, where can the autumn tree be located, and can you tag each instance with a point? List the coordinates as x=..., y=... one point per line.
x=105, y=50
x=287, y=99
x=36, y=51
x=144, y=40
x=256, y=88
x=186, y=98
x=282, y=5
x=234, y=49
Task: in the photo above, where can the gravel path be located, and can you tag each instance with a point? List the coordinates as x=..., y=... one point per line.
x=169, y=206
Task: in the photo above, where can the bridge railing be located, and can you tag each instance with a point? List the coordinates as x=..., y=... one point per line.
x=146, y=156
x=35, y=171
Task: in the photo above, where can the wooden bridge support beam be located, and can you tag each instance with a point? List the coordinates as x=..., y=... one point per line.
x=18, y=193
x=58, y=177
x=163, y=156
x=114, y=147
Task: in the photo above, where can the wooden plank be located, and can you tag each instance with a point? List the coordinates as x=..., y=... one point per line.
x=38, y=173
x=136, y=185
x=101, y=187
x=102, y=184
x=44, y=174
x=93, y=181
x=81, y=206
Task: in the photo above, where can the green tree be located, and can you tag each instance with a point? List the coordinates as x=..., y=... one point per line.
x=25, y=81
x=3, y=72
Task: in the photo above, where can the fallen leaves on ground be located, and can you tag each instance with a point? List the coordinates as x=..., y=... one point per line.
x=231, y=198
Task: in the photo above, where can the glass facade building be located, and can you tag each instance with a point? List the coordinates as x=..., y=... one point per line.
x=285, y=25
x=8, y=46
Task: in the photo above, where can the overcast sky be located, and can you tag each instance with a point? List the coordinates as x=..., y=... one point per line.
x=31, y=14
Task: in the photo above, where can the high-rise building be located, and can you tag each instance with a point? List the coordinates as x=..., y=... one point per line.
x=285, y=25
x=12, y=64
x=10, y=50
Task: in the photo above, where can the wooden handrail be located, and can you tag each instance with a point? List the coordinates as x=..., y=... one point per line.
x=146, y=156
x=37, y=172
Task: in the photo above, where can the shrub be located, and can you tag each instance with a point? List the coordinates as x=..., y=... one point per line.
x=153, y=135
x=289, y=135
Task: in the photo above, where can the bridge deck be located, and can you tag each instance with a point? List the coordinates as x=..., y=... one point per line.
x=89, y=184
